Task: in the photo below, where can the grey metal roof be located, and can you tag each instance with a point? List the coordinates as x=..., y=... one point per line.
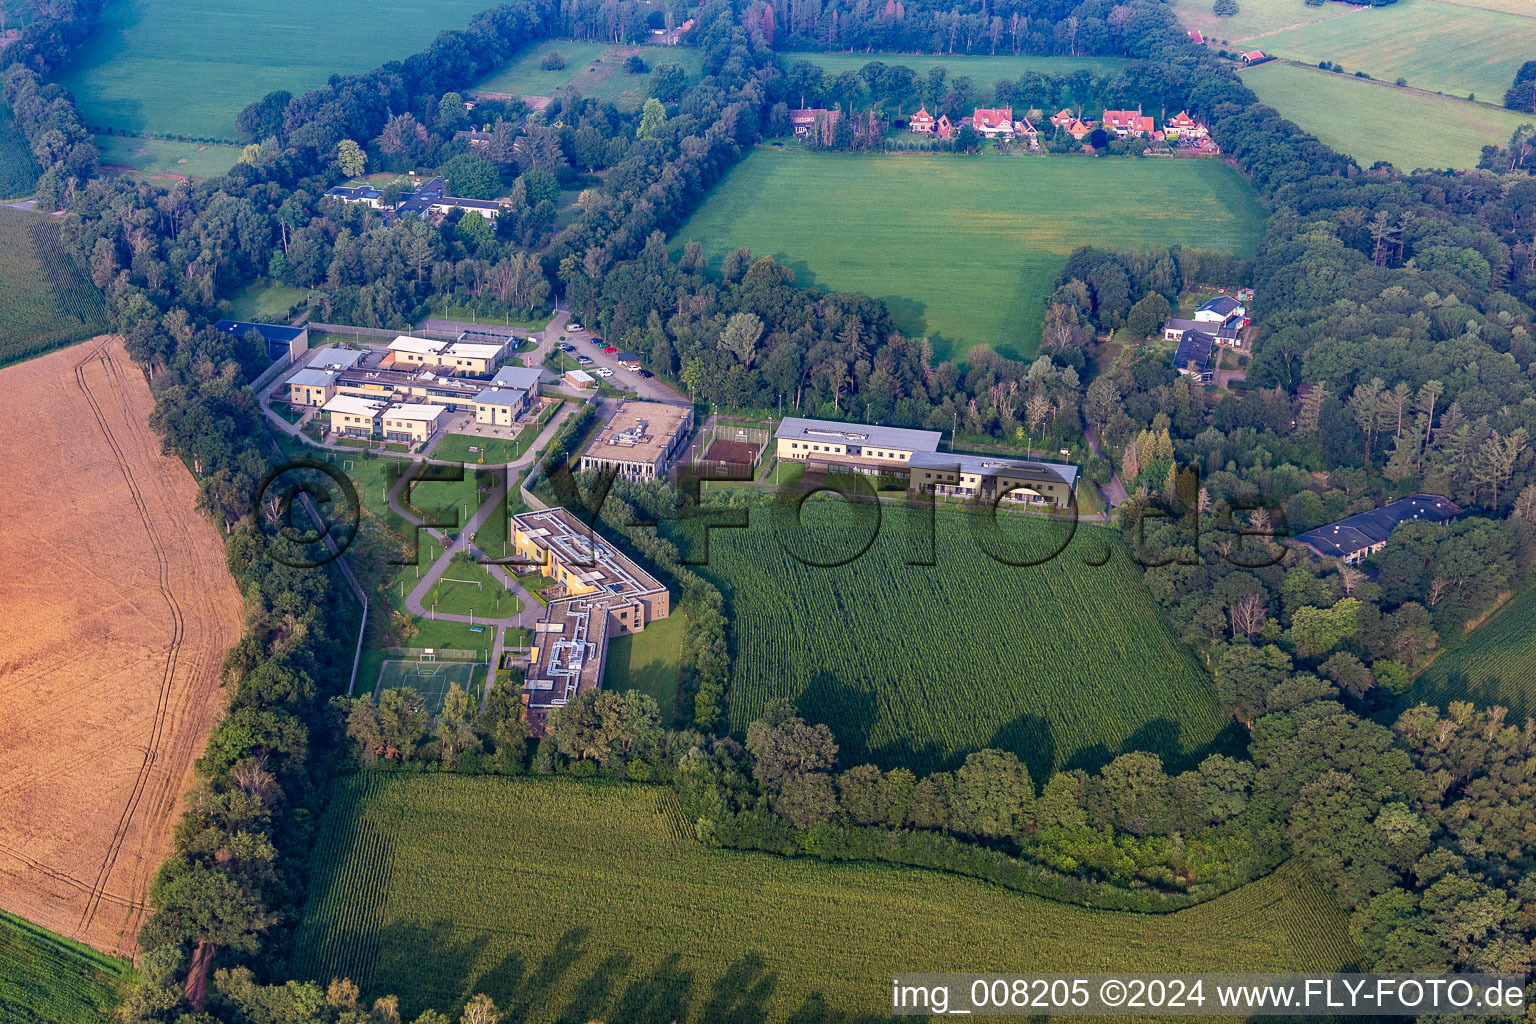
x=501, y=396
x=1365, y=529
x=832, y=432
x=330, y=355
x=311, y=377
x=997, y=465
x=1221, y=305
x=525, y=377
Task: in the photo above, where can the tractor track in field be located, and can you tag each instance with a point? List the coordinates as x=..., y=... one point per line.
x=173, y=652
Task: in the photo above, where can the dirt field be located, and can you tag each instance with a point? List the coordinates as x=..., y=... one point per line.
x=740, y=452
x=118, y=613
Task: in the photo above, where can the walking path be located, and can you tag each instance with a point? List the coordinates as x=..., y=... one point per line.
x=1114, y=491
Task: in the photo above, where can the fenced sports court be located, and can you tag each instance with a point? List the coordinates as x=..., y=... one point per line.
x=430, y=678
x=730, y=450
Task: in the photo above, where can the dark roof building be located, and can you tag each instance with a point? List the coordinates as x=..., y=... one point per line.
x=1193, y=356
x=1222, y=305
x=281, y=339
x=1362, y=535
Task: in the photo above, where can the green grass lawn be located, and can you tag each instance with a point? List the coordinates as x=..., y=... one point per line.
x=1436, y=46
x=572, y=901
x=1496, y=665
x=1065, y=663
x=649, y=661
x=1372, y=132
x=595, y=69
x=473, y=450
x=18, y=168
x=165, y=160
x=1254, y=17
x=266, y=302
x=45, y=299
x=467, y=588
x=48, y=979
x=965, y=250
x=187, y=68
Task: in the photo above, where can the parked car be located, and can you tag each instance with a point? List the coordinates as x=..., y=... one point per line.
x=584, y=360
x=609, y=349
x=567, y=348
x=602, y=371
x=596, y=341
x=647, y=374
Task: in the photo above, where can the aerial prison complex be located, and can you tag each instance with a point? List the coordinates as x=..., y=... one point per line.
x=598, y=593
x=915, y=455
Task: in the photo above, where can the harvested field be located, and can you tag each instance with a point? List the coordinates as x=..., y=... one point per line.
x=119, y=610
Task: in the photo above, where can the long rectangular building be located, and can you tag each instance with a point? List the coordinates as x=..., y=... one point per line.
x=598, y=593
x=640, y=441
x=900, y=451
x=1361, y=535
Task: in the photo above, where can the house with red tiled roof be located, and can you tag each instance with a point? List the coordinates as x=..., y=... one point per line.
x=1254, y=57
x=1062, y=118
x=943, y=129
x=1079, y=130
x=1182, y=126
x=1127, y=124
x=1196, y=38
x=921, y=123
x=804, y=119
x=993, y=124
x=1025, y=130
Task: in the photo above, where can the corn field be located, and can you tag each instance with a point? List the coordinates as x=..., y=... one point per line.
x=1496, y=664
x=578, y=900
x=45, y=300
x=1066, y=663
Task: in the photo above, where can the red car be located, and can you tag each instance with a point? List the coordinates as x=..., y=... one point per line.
x=609, y=349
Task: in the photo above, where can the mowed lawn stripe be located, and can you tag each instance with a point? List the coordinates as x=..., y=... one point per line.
x=965, y=250
x=579, y=901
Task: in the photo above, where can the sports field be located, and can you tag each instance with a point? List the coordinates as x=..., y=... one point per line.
x=1497, y=665
x=570, y=901
x=47, y=978
x=649, y=661
x=188, y=67
x=1313, y=99
x=1436, y=46
x=18, y=168
x=431, y=679
x=593, y=69
x=163, y=160
x=965, y=250
x=467, y=588
x=45, y=299
x=1064, y=663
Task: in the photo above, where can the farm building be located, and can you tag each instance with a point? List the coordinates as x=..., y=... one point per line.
x=640, y=441
x=353, y=416
x=1251, y=57
x=859, y=448
x=598, y=593
x=1360, y=536
x=281, y=340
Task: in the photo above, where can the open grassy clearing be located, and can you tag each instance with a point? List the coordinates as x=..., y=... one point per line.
x=569, y=901
x=1065, y=663
x=649, y=661
x=45, y=300
x=1435, y=46
x=1496, y=665
x=595, y=69
x=1522, y=8
x=164, y=160
x=46, y=977
x=466, y=588
x=18, y=168
x=1254, y=17
x=266, y=302
x=965, y=250
x=187, y=68
x=1372, y=131
x=981, y=69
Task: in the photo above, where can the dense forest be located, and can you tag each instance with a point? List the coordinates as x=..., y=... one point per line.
x=1393, y=354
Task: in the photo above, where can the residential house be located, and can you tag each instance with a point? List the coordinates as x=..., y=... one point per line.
x=1360, y=536
x=943, y=129
x=1026, y=131
x=1224, y=334
x=921, y=123
x=1193, y=357
x=476, y=140
x=1127, y=124
x=1062, y=118
x=1079, y=130
x=365, y=194
x=1221, y=309
x=993, y=123
x=806, y=118
x=1182, y=126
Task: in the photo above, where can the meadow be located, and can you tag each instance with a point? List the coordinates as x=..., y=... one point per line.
x=964, y=250
x=18, y=168
x=570, y=901
x=649, y=661
x=45, y=300
x=1254, y=18
x=165, y=160
x=1496, y=664
x=982, y=69
x=46, y=977
x=594, y=69
x=1436, y=46
x=266, y=302
x=188, y=68
x=1313, y=99
x=1066, y=663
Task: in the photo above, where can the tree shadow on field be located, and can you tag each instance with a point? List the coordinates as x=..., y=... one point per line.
x=521, y=993
x=661, y=995
x=852, y=713
x=1029, y=737
x=593, y=994
x=814, y=1010
x=427, y=965
x=741, y=994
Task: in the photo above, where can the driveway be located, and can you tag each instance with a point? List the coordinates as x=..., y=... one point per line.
x=653, y=390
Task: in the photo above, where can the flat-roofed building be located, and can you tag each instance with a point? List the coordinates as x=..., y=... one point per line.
x=524, y=377
x=354, y=416
x=280, y=339
x=599, y=592
x=412, y=421
x=414, y=384
x=500, y=406
x=914, y=455
x=640, y=441
x=470, y=357
x=310, y=386
x=580, y=379
x=409, y=351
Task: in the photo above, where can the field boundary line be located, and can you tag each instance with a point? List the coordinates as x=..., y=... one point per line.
x=1410, y=89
